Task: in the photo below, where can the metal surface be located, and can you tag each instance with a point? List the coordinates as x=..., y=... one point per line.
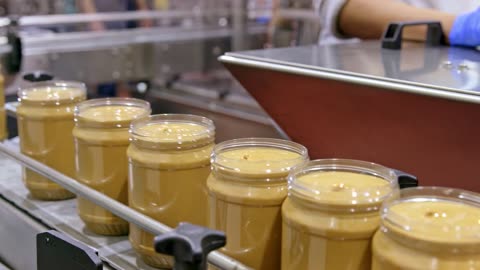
x=62, y=215
x=135, y=54
x=229, y=123
x=215, y=258
x=414, y=69
x=58, y=42
x=231, y=105
x=239, y=18
x=59, y=19
x=305, y=14
x=17, y=235
x=427, y=130
x=3, y=267
x=58, y=251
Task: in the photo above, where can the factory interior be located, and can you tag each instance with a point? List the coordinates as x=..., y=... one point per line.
x=239, y=134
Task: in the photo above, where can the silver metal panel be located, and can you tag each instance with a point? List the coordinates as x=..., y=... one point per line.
x=60, y=215
x=452, y=69
x=17, y=234
x=102, y=65
x=128, y=55
x=3, y=267
x=59, y=19
x=79, y=41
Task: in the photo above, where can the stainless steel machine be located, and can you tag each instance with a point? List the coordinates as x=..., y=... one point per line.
x=411, y=106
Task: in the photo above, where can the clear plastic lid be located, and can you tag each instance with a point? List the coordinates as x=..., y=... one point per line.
x=346, y=184
x=435, y=215
x=178, y=131
x=52, y=92
x=110, y=112
x=257, y=158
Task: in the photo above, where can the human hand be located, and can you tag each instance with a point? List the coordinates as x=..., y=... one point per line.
x=466, y=30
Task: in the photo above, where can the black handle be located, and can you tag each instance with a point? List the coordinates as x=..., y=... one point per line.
x=56, y=251
x=392, y=37
x=189, y=245
x=37, y=76
x=406, y=180
x=13, y=60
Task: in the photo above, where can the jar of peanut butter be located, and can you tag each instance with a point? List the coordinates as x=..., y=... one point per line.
x=3, y=115
x=332, y=212
x=45, y=123
x=246, y=189
x=429, y=228
x=101, y=140
x=169, y=158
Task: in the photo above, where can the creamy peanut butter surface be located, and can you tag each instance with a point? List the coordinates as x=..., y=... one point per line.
x=436, y=235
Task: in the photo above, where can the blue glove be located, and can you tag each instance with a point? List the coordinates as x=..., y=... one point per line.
x=466, y=30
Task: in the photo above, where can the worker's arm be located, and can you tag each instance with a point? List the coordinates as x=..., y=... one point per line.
x=368, y=19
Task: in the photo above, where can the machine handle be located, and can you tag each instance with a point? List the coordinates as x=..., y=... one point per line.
x=14, y=58
x=55, y=251
x=392, y=37
x=406, y=180
x=38, y=76
x=189, y=245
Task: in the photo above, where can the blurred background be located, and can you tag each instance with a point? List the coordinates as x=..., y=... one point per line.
x=163, y=51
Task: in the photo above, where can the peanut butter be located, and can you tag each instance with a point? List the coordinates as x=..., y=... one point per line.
x=169, y=164
x=101, y=140
x=246, y=189
x=331, y=214
x=45, y=123
x=435, y=228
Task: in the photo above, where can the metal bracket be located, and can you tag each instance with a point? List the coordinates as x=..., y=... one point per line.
x=55, y=251
x=406, y=180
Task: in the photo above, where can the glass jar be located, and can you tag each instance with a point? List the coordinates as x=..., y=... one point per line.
x=101, y=140
x=3, y=115
x=429, y=228
x=246, y=188
x=169, y=158
x=332, y=212
x=45, y=123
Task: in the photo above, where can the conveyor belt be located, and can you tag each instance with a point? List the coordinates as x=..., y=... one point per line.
x=62, y=216
x=3, y=267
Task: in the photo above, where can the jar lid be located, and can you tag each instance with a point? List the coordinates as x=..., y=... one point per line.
x=435, y=215
x=173, y=130
x=343, y=184
x=115, y=112
x=257, y=158
x=56, y=92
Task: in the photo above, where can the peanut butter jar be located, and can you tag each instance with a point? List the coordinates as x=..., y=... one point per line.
x=45, y=123
x=246, y=189
x=3, y=114
x=169, y=159
x=101, y=139
x=429, y=228
x=332, y=212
